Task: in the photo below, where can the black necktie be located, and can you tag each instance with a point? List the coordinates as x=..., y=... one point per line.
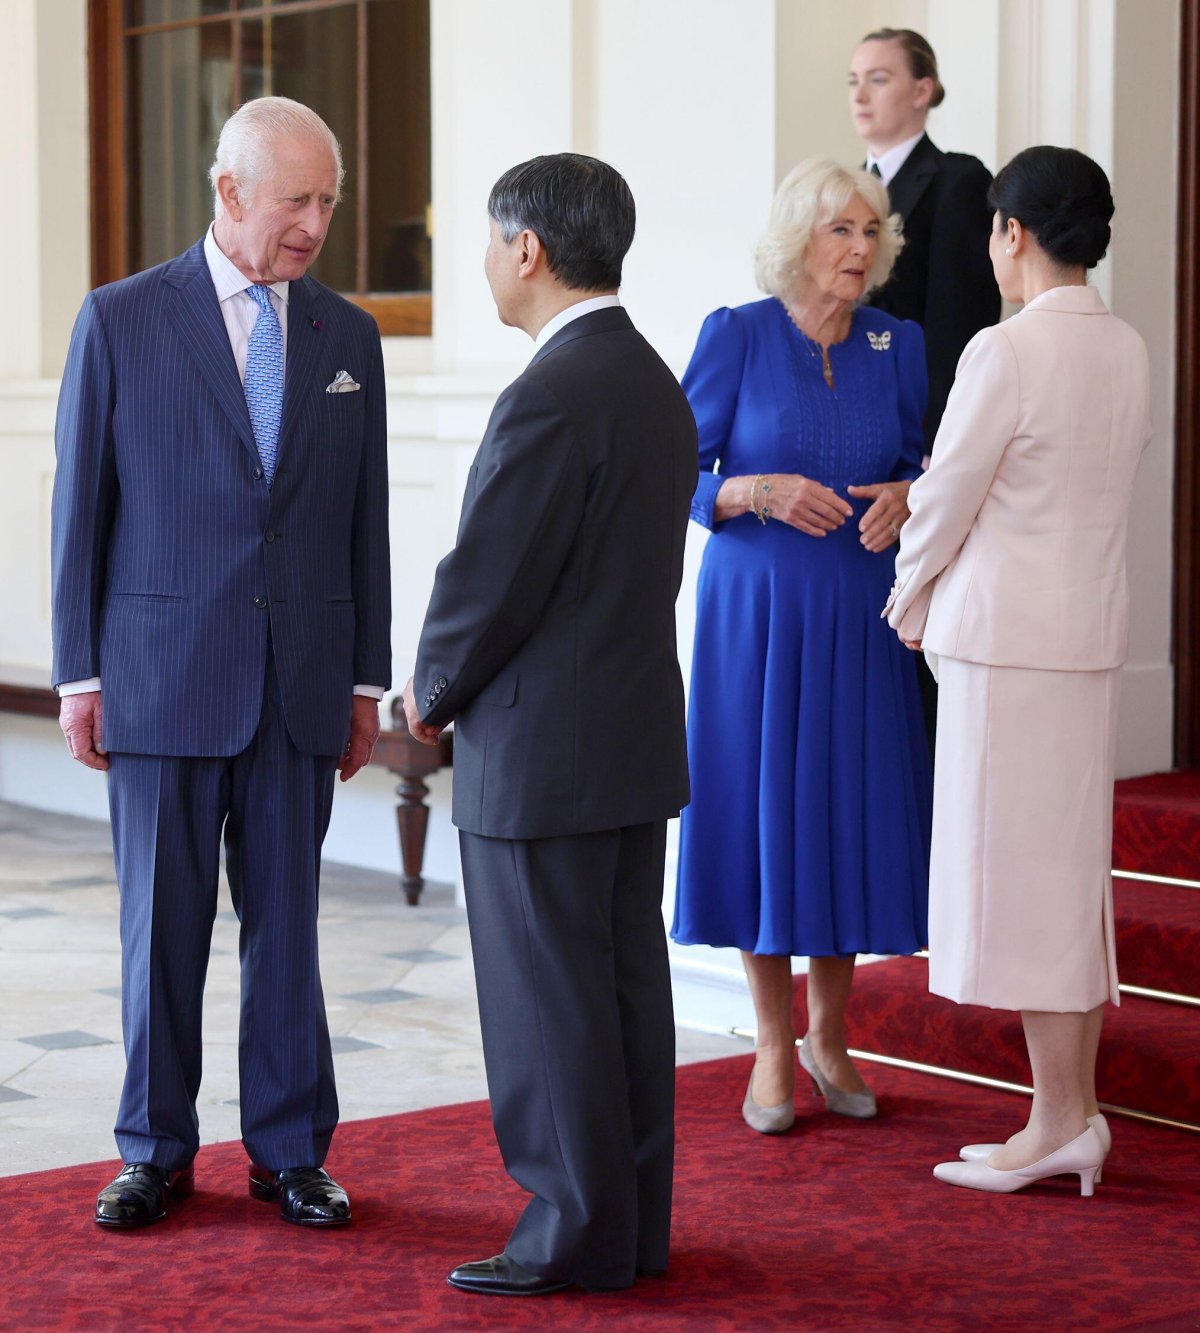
x=875, y=170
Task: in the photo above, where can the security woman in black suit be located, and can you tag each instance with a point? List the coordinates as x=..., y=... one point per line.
x=943, y=276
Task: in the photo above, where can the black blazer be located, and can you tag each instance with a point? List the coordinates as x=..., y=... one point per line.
x=550, y=634
x=943, y=277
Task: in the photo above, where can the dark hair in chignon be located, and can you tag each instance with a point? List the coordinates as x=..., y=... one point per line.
x=1062, y=197
x=922, y=63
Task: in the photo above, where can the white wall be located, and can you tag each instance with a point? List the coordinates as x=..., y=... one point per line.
x=703, y=104
x=1145, y=131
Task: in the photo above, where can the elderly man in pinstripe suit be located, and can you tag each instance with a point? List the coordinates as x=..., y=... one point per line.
x=221, y=641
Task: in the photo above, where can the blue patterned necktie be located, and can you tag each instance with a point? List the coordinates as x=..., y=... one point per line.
x=264, y=378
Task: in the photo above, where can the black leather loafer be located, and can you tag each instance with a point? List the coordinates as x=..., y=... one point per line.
x=307, y=1195
x=502, y=1276
x=139, y=1195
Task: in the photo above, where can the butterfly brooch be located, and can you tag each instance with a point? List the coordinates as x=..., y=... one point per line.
x=880, y=341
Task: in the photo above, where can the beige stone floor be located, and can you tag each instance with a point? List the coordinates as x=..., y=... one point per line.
x=398, y=984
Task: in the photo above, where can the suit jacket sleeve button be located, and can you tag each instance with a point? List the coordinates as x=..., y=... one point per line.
x=260, y=602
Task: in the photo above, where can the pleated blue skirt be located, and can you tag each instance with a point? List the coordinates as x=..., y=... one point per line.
x=809, y=825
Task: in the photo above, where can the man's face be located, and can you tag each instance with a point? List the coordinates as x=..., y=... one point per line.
x=276, y=234
x=501, y=263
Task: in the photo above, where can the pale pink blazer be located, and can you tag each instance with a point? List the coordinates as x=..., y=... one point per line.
x=1015, y=551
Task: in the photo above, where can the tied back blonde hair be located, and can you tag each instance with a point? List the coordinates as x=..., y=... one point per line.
x=812, y=194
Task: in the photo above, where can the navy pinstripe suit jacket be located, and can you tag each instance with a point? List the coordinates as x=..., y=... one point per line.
x=172, y=555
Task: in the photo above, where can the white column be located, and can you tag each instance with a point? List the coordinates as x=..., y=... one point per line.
x=501, y=94
x=21, y=328
x=1144, y=130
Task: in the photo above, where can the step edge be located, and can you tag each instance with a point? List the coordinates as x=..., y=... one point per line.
x=1161, y=996
x=1145, y=877
x=1002, y=1085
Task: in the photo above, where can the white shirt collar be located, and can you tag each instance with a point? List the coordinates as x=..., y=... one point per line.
x=227, y=278
x=891, y=161
x=564, y=317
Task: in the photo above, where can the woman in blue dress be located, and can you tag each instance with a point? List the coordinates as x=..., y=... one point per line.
x=808, y=829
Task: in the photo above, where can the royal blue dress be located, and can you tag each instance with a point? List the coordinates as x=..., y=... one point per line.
x=808, y=828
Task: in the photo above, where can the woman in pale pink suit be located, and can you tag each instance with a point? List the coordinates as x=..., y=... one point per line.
x=1011, y=575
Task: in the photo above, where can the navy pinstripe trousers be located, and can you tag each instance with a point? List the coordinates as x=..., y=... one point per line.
x=272, y=803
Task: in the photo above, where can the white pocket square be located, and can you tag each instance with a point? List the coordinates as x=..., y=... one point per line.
x=343, y=382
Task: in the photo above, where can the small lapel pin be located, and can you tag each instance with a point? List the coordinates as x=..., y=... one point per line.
x=317, y=325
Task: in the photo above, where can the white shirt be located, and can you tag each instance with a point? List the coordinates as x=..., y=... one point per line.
x=239, y=311
x=891, y=161
x=564, y=317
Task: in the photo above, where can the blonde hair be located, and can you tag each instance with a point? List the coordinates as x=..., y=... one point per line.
x=812, y=194
x=246, y=147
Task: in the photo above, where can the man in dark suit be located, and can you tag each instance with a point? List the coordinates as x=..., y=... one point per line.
x=550, y=641
x=221, y=640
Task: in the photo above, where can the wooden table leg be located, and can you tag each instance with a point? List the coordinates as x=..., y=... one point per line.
x=412, y=820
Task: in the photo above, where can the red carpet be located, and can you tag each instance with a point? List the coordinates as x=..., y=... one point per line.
x=1158, y=936
x=1149, y=1056
x=838, y=1224
x=1156, y=824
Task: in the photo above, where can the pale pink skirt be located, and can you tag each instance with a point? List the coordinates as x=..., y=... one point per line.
x=1020, y=882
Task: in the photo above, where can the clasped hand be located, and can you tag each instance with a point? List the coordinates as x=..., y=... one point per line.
x=412, y=715
x=814, y=509
x=880, y=525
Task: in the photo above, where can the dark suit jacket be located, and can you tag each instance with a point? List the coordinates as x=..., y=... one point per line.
x=172, y=555
x=943, y=277
x=550, y=635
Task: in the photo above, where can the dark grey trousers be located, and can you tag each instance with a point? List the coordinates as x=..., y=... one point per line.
x=579, y=1042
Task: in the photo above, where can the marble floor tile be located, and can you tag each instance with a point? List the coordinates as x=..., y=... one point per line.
x=398, y=981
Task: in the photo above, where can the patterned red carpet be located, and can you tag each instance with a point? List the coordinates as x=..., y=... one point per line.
x=1149, y=1056
x=1156, y=824
x=1158, y=935
x=838, y=1224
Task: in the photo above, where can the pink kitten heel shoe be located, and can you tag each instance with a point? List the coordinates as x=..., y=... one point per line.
x=979, y=1152
x=1082, y=1157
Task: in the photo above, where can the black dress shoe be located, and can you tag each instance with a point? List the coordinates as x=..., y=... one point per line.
x=502, y=1276
x=307, y=1195
x=139, y=1195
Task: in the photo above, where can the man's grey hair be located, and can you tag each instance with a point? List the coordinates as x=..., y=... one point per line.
x=246, y=147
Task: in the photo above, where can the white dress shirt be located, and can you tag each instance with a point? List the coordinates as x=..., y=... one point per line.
x=564, y=317
x=891, y=161
x=239, y=311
